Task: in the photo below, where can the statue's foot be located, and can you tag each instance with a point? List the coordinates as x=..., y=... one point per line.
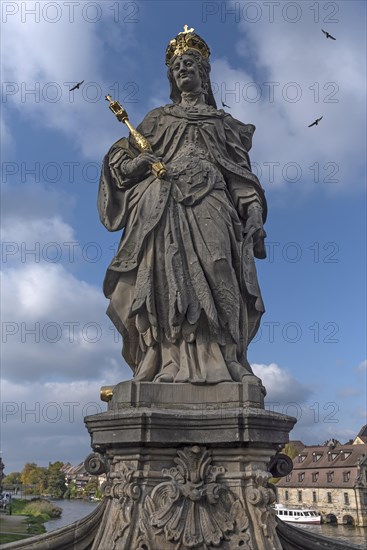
x=164, y=377
x=244, y=374
x=238, y=371
x=167, y=374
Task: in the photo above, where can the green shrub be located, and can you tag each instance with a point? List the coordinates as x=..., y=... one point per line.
x=18, y=505
x=40, y=507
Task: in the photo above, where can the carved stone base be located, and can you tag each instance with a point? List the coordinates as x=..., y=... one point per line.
x=184, y=477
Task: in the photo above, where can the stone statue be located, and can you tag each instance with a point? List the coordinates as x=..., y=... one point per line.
x=183, y=288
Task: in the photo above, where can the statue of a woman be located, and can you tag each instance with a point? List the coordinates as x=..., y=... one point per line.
x=182, y=287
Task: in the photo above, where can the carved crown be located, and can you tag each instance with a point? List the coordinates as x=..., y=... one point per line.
x=184, y=41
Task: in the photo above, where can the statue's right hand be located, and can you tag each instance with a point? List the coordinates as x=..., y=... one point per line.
x=139, y=166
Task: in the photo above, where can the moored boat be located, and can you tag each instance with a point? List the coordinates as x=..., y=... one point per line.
x=297, y=515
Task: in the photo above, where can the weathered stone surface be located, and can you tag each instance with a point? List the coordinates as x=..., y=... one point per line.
x=191, y=497
x=129, y=394
x=183, y=285
x=156, y=415
x=186, y=477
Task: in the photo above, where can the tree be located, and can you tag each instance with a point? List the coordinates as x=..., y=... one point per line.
x=14, y=478
x=71, y=491
x=290, y=450
x=34, y=478
x=92, y=486
x=56, y=480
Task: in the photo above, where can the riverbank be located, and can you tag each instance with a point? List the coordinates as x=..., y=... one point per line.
x=13, y=528
x=27, y=518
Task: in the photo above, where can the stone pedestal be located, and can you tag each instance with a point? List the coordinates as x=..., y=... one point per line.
x=187, y=466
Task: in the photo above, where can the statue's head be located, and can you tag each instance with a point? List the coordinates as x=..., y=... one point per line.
x=190, y=53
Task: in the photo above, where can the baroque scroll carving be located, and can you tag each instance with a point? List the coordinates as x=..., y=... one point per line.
x=192, y=510
x=259, y=494
x=122, y=488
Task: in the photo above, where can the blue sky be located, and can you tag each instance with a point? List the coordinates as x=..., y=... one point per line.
x=274, y=68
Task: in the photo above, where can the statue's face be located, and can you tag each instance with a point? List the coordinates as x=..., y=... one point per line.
x=185, y=71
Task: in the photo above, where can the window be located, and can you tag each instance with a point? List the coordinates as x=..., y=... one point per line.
x=289, y=476
x=346, y=476
x=329, y=498
x=316, y=456
x=301, y=477
x=346, y=499
x=329, y=477
x=315, y=476
x=301, y=458
x=314, y=496
x=299, y=496
x=286, y=495
x=345, y=455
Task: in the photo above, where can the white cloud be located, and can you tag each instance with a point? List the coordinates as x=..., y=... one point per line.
x=46, y=230
x=280, y=385
x=317, y=420
x=54, y=326
x=34, y=230
x=328, y=77
x=45, y=56
x=47, y=419
x=362, y=367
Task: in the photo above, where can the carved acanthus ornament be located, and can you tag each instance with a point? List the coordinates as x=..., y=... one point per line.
x=192, y=510
x=122, y=488
x=260, y=495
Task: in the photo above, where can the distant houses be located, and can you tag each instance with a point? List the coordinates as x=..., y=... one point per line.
x=79, y=476
x=330, y=478
x=2, y=466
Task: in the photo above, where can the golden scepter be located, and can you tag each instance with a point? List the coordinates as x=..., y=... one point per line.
x=158, y=168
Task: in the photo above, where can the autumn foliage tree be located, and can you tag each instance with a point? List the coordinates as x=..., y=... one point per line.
x=38, y=480
x=56, y=486
x=34, y=478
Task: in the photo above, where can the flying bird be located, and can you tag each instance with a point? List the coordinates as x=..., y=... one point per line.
x=77, y=86
x=316, y=122
x=224, y=105
x=328, y=35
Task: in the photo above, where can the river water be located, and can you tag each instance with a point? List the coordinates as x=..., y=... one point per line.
x=347, y=533
x=72, y=510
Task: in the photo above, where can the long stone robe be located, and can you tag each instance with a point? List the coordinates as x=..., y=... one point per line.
x=183, y=288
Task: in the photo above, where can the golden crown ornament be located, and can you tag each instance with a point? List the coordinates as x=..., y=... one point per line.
x=184, y=41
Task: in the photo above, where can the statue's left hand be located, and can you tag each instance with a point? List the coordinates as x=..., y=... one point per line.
x=259, y=244
x=254, y=230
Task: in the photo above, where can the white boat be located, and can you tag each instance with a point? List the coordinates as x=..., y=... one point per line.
x=297, y=515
